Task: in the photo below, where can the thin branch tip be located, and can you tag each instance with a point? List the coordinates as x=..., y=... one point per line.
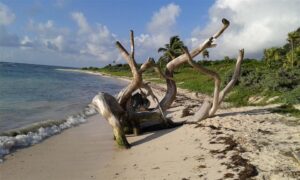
x=152, y=60
x=241, y=54
x=132, y=44
x=131, y=34
x=225, y=21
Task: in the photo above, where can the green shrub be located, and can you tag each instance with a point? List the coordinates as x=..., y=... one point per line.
x=283, y=80
x=292, y=97
x=239, y=96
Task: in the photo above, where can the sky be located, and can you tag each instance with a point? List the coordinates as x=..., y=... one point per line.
x=79, y=33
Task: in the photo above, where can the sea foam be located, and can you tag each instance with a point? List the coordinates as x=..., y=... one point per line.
x=8, y=143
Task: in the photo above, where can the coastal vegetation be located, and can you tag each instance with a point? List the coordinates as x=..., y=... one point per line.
x=273, y=79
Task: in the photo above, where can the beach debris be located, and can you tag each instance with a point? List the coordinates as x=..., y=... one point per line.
x=296, y=155
x=236, y=160
x=129, y=111
x=228, y=175
x=186, y=112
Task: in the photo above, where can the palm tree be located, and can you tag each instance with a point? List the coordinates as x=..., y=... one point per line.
x=172, y=50
x=291, y=39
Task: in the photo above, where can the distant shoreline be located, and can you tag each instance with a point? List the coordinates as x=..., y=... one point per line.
x=127, y=79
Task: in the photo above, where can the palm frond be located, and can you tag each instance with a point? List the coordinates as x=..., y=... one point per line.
x=161, y=50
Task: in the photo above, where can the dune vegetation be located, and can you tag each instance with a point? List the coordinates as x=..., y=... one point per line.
x=273, y=79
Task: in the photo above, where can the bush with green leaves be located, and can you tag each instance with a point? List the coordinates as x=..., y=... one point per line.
x=283, y=80
x=293, y=97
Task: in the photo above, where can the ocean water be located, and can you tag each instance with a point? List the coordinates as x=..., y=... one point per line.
x=36, y=93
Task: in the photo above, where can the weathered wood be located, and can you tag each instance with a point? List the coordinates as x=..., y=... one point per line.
x=213, y=75
x=175, y=63
x=218, y=97
x=111, y=110
x=203, y=112
x=150, y=92
x=122, y=113
x=235, y=76
x=146, y=65
x=137, y=78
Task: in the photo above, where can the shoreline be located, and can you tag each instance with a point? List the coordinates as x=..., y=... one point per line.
x=78, y=152
x=35, y=133
x=191, y=94
x=238, y=143
x=96, y=73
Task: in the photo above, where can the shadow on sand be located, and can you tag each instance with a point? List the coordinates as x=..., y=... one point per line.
x=156, y=131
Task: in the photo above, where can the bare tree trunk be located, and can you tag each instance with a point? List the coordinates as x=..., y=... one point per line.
x=110, y=109
x=234, y=78
x=175, y=63
x=214, y=75
x=208, y=109
x=118, y=112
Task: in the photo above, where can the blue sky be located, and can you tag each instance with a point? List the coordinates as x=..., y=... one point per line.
x=118, y=15
x=82, y=32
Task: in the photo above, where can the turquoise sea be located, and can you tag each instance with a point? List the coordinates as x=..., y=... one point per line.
x=36, y=93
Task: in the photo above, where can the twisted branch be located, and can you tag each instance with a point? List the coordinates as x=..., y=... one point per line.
x=210, y=73
x=207, y=109
x=175, y=63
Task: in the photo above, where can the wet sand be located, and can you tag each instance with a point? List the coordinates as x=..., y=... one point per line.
x=77, y=153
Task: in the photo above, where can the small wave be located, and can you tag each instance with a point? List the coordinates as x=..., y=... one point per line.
x=35, y=133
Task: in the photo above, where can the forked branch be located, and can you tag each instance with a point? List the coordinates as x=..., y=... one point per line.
x=175, y=63
x=208, y=109
x=211, y=74
x=136, y=82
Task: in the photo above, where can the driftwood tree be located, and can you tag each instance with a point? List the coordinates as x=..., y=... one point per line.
x=123, y=117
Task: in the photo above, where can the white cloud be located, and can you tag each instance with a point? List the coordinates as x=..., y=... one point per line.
x=90, y=41
x=57, y=43
x=6, y=15
x=48, y=35
x=26, y=42
x=160, y=29
x=81, y=22
x=164, y=20
x=100, y=43
x=8, y=39
x=46, y=29
x=6, y=18
x=91, y=45
x=95, y=41
x=255, y=25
